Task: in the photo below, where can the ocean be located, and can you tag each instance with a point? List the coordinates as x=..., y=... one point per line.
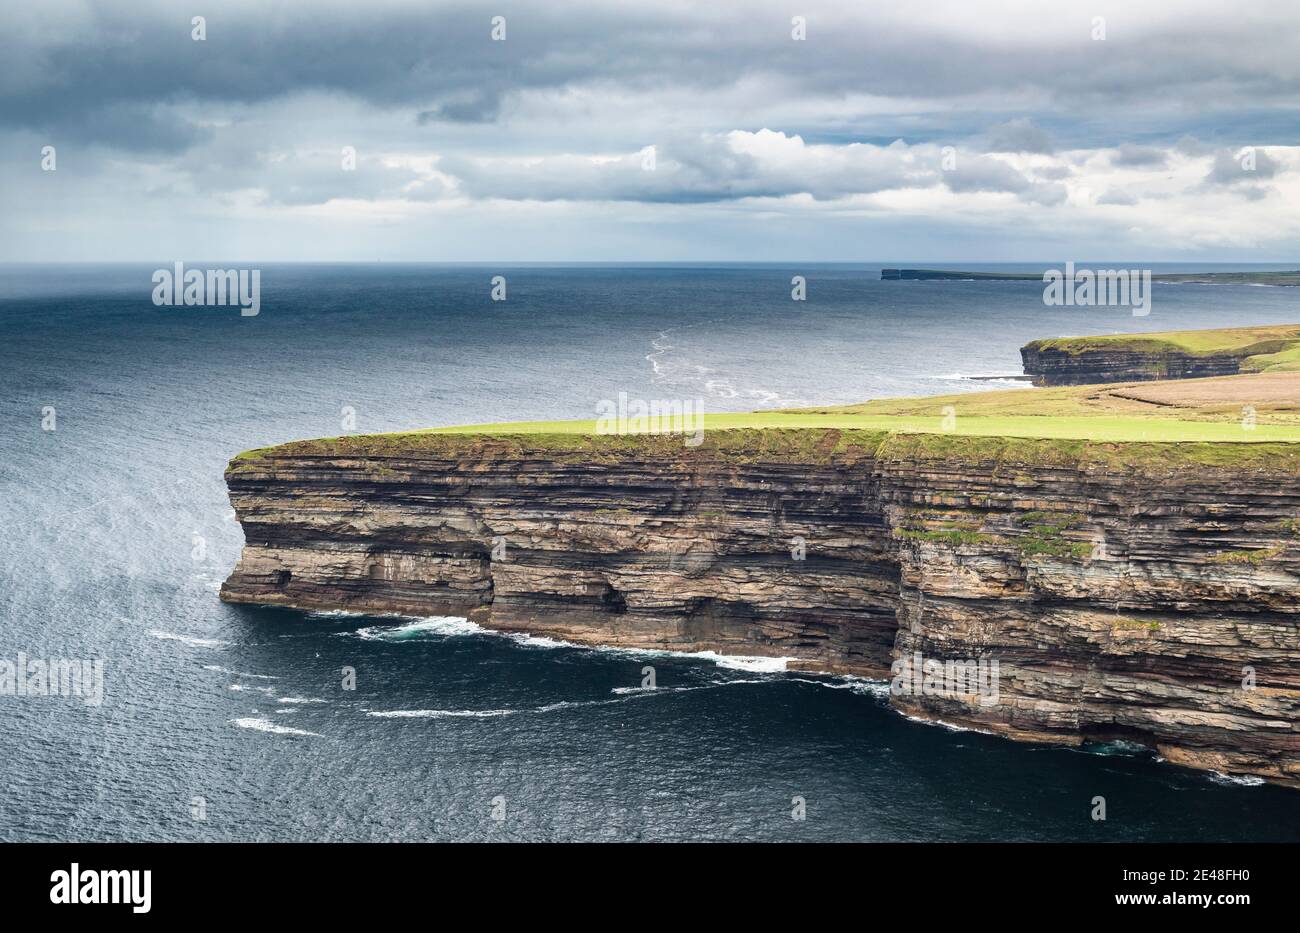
x=223, y=722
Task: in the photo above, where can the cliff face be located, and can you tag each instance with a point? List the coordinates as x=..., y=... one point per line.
x=1054, y=367
x=1123, y=592
x=662, y=548
x=1168, y=355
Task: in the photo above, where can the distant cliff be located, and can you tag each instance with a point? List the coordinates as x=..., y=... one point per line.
x=1144, y=592
x=1282, y=278
x=1171, y=355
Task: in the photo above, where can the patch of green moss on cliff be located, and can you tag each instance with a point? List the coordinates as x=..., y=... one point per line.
x=1056, y=520
x=1254, y=557
x=1148, y=625
x=1048, y=544
x=1046, y=537
x=952, y=537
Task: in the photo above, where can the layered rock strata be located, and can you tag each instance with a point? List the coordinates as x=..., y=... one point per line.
x=1056, y=367
x=1138, y=592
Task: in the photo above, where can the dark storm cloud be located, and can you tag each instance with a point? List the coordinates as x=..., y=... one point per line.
x=240, y=135
x=64, y=63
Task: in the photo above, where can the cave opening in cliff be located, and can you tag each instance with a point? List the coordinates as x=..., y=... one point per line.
x=613, y=601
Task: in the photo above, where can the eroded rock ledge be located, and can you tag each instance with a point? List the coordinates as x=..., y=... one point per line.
x=1126, y=591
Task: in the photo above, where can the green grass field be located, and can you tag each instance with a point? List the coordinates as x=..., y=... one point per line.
x=1092, y=413
x=1116, y=428
x=1155, y=427
x=1262, y=349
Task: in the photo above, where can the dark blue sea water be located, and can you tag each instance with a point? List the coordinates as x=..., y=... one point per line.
x=117, y=534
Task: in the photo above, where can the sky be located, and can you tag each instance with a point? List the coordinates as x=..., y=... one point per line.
x=919, y=131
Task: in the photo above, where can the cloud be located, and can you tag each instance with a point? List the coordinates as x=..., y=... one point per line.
x=244, y=130
x=1131, y=156
x=1246, y=167
x=1118, y=196
x=478, y=105
x=989, y=174
x=1019, y=135
x=62, y=61
x=743, y=165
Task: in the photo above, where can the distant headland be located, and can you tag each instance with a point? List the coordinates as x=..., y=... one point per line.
x=1173, y=278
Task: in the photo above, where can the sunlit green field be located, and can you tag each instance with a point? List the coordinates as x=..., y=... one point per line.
x=1262, y=349
x=1245, y=422
x=1213, y=412
x=1076, y=427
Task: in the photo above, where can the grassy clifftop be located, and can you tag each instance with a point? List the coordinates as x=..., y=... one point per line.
x=1148, y=425
x=1260, y=349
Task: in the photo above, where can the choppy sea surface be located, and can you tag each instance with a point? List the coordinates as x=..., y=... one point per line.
x=227, y=722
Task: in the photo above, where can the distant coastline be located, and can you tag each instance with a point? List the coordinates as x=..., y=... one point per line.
x=1291, y=278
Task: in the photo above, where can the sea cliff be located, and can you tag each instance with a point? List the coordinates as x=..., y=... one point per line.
x=1171, y=355
x=1144, y=592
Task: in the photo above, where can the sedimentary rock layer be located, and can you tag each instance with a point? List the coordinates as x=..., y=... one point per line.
x=1054, y=367
x=1169, y=355
x=1142, y=592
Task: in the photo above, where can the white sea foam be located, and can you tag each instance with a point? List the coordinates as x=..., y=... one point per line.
x=443, y=713
x=300, y=701
x=858, y=685
x=189, y=639
x=571, y=704
x=632, y=693
x=265, y=725
x=949, y=726
x=1236, y=780
x=267, y=690
x=621, y=695
x=736, y=662
x=1013, y=380
x=766, y=398
x=536, y=641
x=457, y=625
x=433, y=625
x=661, y=346
x=680, y=372
x=742, y=662
x=1118, y=747
x=494, y=713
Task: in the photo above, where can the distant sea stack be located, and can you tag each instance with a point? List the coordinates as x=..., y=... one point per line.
x=1171, y=355
x=1138, y=592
